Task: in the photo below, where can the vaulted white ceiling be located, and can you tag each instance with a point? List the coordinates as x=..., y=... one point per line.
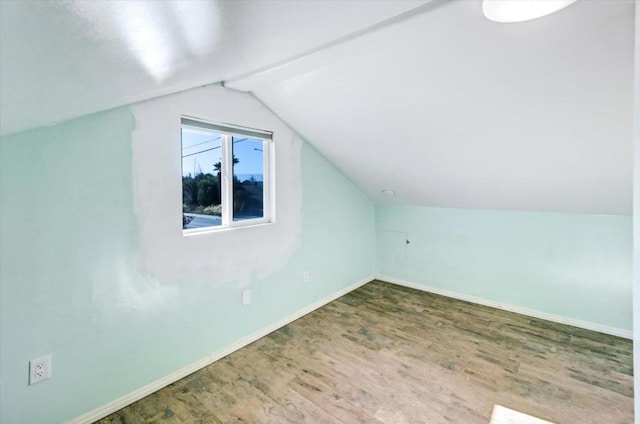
x=63, y=59
x=430, y=100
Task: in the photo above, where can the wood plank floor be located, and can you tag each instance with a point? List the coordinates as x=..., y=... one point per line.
x=389, y=354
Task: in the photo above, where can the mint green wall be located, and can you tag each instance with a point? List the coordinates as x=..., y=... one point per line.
x=65, y=219
x=570, y=265
x=73, y=281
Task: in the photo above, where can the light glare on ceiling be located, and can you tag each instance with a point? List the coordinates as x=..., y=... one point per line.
x=159, y=35
x=388, y=192
x=521, y=10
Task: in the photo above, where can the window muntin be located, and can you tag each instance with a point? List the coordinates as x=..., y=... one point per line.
x=225, y=176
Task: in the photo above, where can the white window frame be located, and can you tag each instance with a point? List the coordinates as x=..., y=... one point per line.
x=228, y=131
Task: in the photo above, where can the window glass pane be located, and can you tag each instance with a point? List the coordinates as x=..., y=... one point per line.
x=248, y=178
x=201, y=189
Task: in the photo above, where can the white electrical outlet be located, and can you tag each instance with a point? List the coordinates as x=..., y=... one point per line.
x=246, y=297
x=39, y=369
x=305, y=276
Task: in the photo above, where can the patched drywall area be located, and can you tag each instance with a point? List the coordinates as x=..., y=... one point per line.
x=95, y=270
x=210, y=259
x=574, y=266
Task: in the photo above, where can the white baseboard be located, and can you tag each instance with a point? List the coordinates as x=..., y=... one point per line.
x=627, y=334
x=111, y=407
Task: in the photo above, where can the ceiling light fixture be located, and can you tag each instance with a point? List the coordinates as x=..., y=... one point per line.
x=521, y=10
x=388, y=192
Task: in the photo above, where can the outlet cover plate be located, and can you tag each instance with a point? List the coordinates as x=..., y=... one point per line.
x=39, y=369
x=246, y=297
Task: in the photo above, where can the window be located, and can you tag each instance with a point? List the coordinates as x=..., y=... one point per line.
x=225, y=176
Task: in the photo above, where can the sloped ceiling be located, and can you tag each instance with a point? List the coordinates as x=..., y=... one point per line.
x=449, y=109
x=63, y=59
x=428, y=99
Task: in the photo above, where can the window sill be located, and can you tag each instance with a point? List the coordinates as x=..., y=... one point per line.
x=210, y=230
